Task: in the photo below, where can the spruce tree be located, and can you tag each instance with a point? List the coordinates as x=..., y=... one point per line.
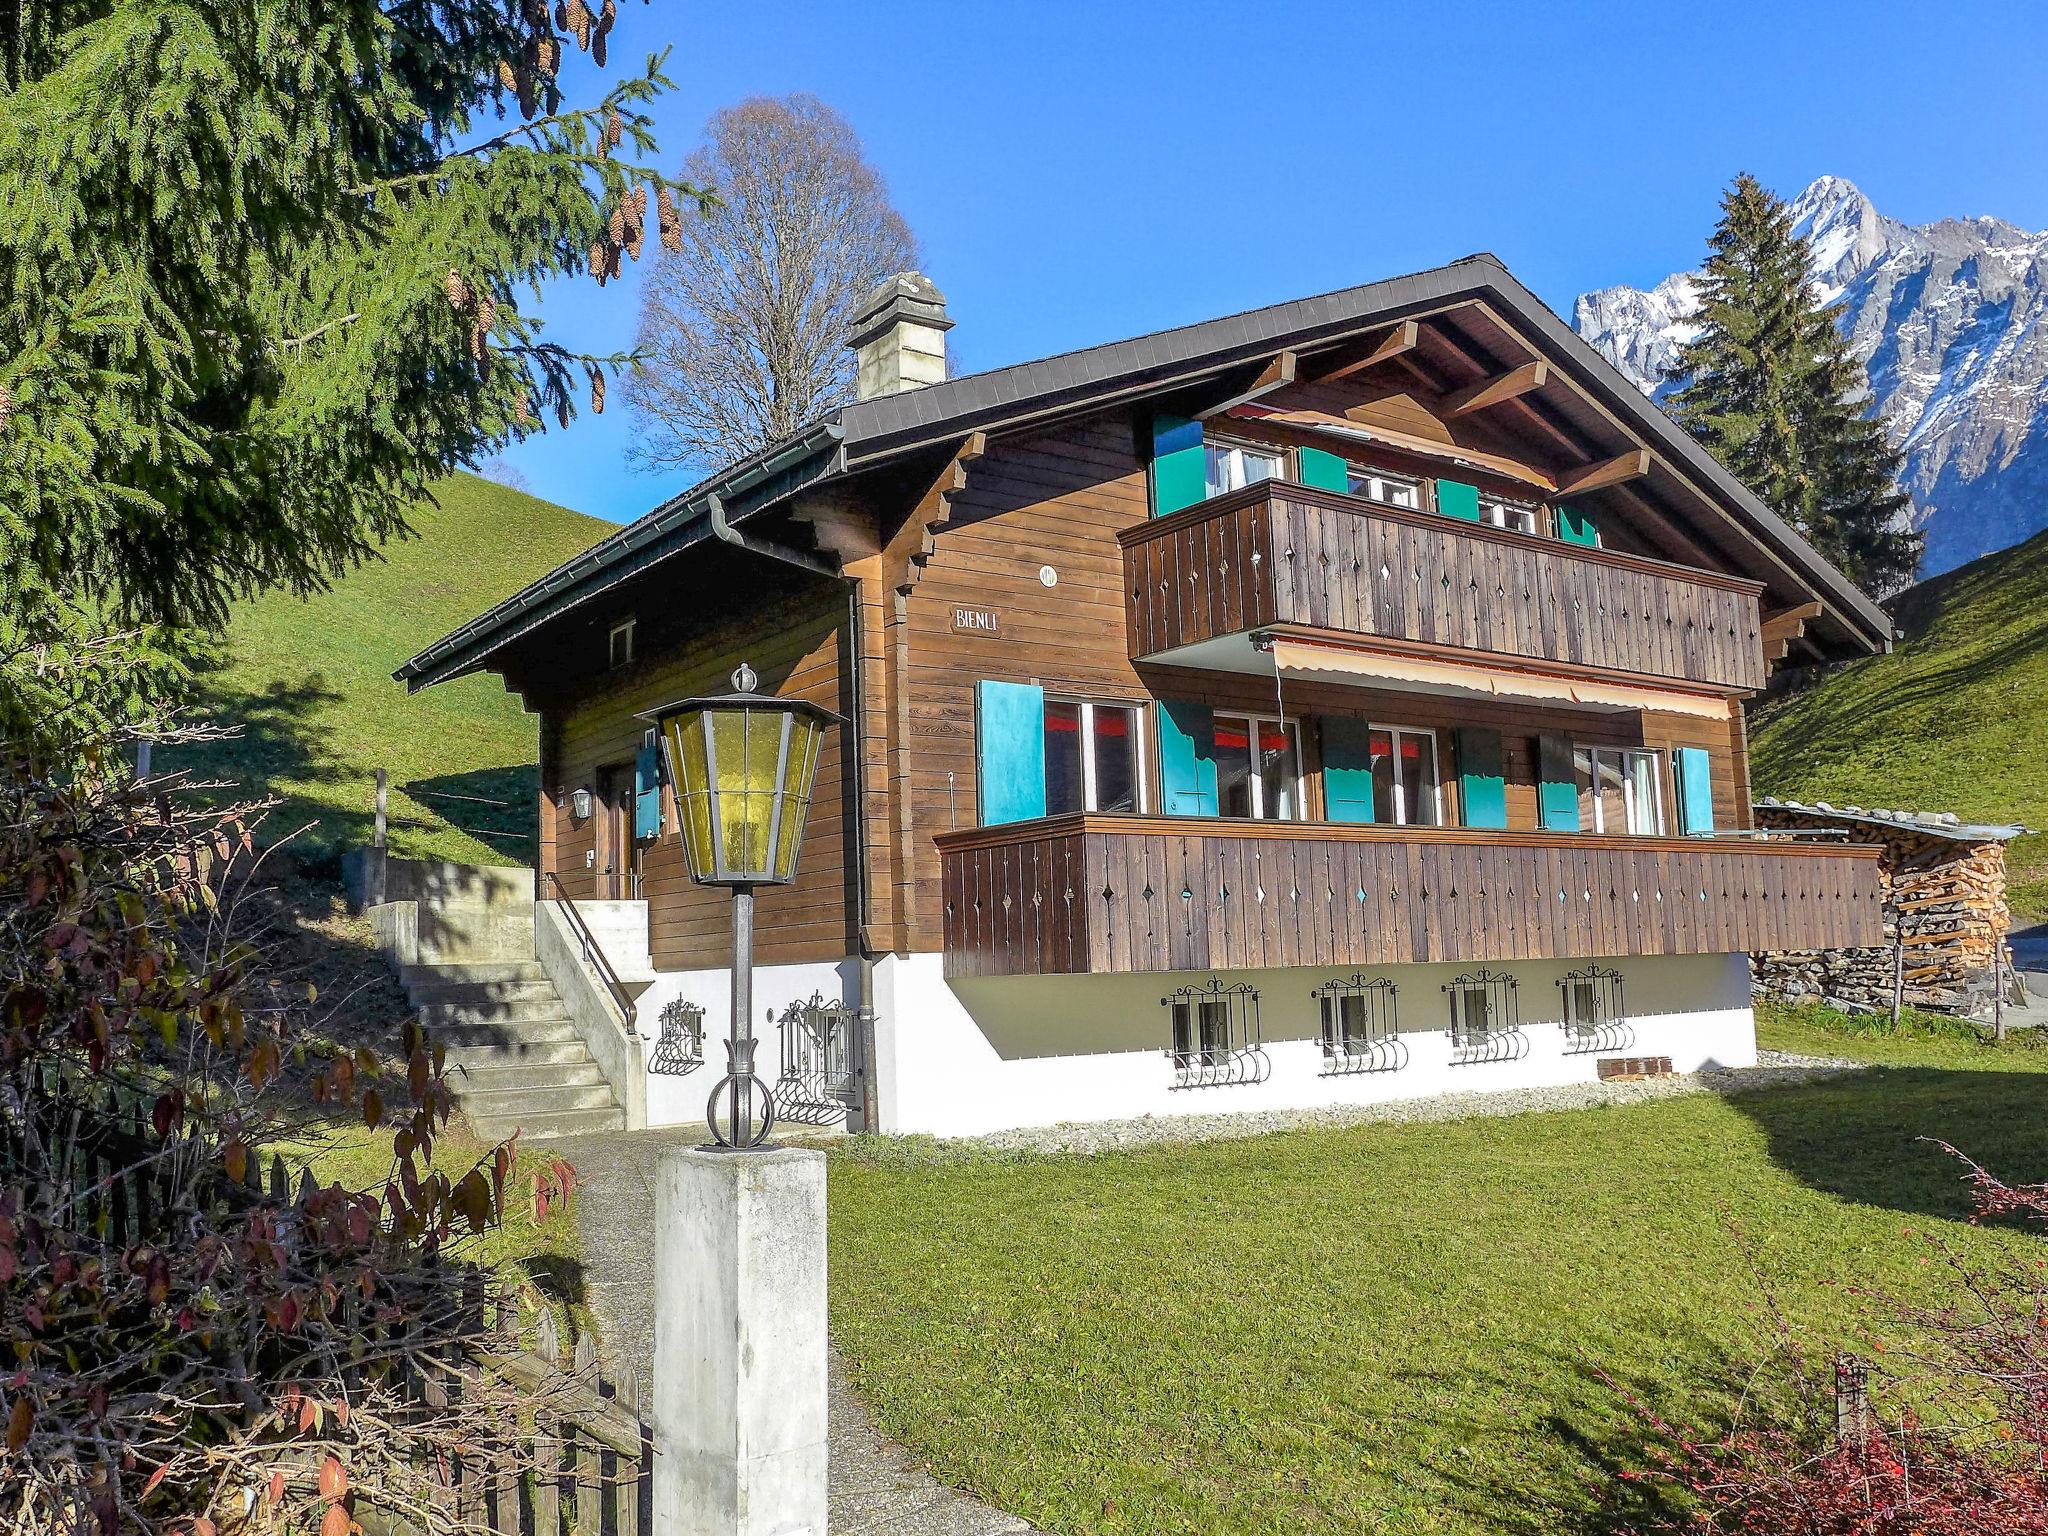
x=1772, y=390
x=260, y=286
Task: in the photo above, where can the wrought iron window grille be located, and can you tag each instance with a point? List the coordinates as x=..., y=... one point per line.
x=816, y=1085
x=1595, y=1013
x=1485, y=1019
x=680, y=1050
x=1361, y=1024
x=1215, y=1034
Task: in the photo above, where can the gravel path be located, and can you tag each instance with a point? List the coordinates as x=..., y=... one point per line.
x=876, y=1488
x=1772, y=1069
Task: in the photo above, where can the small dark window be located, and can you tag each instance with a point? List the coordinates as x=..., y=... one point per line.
x=621, y=645
x=1595, y=1016
x=1486, y=1020
x=1216, y=1038
x=1361, y=1026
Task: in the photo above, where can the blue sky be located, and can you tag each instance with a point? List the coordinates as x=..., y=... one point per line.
x=1082, y=172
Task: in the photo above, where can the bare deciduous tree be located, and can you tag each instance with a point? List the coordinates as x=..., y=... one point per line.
x=744, y=323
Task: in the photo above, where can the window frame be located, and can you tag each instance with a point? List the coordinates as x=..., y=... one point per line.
x=1289, y=727
x=1372, y=475
x=626, y=627
x=1494, y=511
x=1630, y=799
x=1237, y=447
x=1436, y=764
x=1141, y=787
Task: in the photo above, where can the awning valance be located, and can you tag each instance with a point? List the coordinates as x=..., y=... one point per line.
x=1323, y=423
x=1301, y=657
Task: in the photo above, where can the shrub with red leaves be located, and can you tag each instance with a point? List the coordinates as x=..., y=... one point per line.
x=1950, y=1439
x=196, y=1342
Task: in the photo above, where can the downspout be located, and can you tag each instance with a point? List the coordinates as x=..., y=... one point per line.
x=863, y=1002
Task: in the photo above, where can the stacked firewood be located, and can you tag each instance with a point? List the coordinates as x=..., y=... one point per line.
x=1945, y=922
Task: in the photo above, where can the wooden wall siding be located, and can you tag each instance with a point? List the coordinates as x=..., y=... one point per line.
x=1058, y=500
x=1278, y=553
x=1081, y=895
x=796, y=646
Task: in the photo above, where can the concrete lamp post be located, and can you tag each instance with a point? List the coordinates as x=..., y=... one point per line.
x=739, y=1320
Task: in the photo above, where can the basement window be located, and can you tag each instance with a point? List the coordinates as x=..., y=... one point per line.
x=1361, y=1025
x=1595, y=1017
x=619, y=648
x=1485, y=1018
x=1215, y=1035
x=1392, y=490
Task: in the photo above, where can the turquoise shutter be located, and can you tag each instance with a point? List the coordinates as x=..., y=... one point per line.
x=1347, y=769
x=1187, y=759
x=1482, y=786
x=1009, y=747
x=647, y=791
x=1324, y=470
x=1695, y=791
x=1577, y=528
x=1557, y=785
x=1456, y=499
x=1180, y=469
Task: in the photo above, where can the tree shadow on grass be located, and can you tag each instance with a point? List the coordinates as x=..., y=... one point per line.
x=1870, y=1136
x=1586, y=1468
x=493, y=805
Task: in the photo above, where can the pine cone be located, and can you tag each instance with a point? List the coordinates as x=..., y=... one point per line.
x=597, y=260
x=458, y=290
x=596, y=390
x=617, y=227
x=508, y=77
x=562, y=14
x=562, y=408
x=607, y=16
x=522, y=410
x=576, y=18
x=636, y=221
x=486, y=313
x=614, y=129
x=547, y=56
x=670, y=221
x=616, y=253
x=597, y=48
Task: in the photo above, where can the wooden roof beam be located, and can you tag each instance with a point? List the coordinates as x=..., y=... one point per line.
x=1600, y=474
x=1400, y=340
x=1278, y=373
x=1498, y=390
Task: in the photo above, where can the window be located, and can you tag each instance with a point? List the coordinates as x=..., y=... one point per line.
x=1405, y=787
x=1361, y=1026
x=817, y=1065
x=1232, y=466
x=1517, y=515
x=1092, y=757
x=1216, y=1040
x=1619, y=790
x=619, y=649
x=1595, y=1018
x=1486, y=1023
x=1394, y=490
x=1258, y=768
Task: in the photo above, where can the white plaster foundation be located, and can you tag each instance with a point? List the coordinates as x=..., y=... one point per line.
x=970, y=1057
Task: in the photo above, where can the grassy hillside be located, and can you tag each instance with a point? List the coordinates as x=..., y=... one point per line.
x=1955, y=718
x=309, y=681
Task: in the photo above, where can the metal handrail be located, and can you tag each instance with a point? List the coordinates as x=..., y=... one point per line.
x=592, y=951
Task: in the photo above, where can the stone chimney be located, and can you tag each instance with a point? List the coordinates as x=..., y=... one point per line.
x=899, y=337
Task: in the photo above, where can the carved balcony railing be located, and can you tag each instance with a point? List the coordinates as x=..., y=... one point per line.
x=1280, y=555
x=1079, y=895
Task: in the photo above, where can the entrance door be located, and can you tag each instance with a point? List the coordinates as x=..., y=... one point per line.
x=618, y=854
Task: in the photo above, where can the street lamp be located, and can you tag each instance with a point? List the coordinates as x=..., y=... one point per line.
x=741, y=766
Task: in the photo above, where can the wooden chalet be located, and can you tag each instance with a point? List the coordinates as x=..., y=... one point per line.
x=1334, y=701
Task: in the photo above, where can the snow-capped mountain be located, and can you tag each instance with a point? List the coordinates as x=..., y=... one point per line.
x=1948, y=317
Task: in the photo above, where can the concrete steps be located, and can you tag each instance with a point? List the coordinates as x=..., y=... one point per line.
x=515, y=1062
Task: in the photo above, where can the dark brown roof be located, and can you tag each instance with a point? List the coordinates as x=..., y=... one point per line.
x=872, y=432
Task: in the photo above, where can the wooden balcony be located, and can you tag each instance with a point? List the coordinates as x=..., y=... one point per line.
x=1078, y=895
x=1280, y=554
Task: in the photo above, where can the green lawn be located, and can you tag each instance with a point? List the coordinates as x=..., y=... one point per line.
x=309, y=682
x=1952, y=719
x=1393, y=1328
